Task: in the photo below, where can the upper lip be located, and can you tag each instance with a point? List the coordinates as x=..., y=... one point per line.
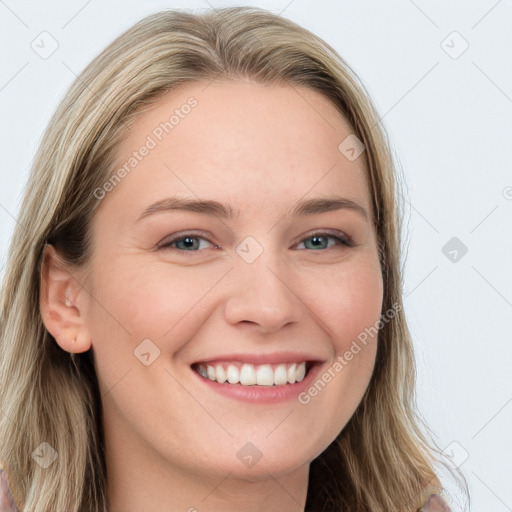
x=273, y=358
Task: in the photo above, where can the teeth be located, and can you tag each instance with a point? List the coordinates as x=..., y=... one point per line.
x=250, y=375
x=265, y=375
x=210, y=372
x=233, y=374
x=280, y=375
x=291, y=373
x=301, y=372
x=220, y=374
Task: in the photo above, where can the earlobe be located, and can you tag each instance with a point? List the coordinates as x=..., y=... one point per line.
x=59, y=303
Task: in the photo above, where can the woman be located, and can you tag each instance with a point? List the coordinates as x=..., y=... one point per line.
x=174, y=334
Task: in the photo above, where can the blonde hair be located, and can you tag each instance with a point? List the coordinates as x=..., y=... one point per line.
x=381, y=460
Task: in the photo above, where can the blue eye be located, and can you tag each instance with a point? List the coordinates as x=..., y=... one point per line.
x=190, y=242
x=321, y=238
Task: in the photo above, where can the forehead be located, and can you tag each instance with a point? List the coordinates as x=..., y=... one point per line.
x=239, y=142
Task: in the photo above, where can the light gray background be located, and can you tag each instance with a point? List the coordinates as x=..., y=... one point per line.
x=449, y=119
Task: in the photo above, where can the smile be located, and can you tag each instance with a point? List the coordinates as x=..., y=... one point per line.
x=253, y=375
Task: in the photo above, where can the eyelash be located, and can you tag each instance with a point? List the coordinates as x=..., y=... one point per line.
x=342, y=240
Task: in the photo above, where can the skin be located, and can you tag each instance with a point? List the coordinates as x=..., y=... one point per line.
x=171, y=443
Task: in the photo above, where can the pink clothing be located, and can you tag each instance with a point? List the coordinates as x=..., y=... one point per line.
x=6, y=500
x=435, y=503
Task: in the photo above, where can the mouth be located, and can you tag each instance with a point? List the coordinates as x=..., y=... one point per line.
x=254, y=375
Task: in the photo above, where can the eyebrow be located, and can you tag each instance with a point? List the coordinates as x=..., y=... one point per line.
x=211, y=207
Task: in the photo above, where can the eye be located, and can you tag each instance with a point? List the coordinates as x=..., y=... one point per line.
x=320, y=239
x=185, y=242
x=191, y=242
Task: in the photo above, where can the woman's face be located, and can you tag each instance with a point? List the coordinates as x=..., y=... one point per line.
x=179, y=289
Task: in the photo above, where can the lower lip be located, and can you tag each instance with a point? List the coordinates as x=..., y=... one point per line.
x=261, y=394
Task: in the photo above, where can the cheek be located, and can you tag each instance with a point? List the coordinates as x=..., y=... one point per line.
x=350, y=312
x=154, y=300
x=136, y=302
x=350, y=302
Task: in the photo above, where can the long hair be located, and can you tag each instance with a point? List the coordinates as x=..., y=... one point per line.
x=383, y=459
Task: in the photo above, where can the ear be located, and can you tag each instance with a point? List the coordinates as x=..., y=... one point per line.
x=62, y=301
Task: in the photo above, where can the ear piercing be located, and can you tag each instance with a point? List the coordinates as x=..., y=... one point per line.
x=67, y=302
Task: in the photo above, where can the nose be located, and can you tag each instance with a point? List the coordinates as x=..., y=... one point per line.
x=262, y=293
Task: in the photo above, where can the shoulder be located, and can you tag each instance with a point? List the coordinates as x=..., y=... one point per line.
x=434, y=503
